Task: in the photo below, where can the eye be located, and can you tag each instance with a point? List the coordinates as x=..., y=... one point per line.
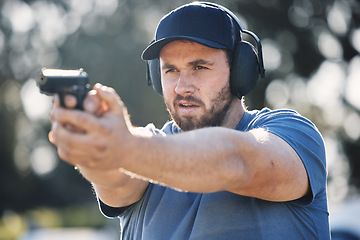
x=199, y=67
x=170, y=70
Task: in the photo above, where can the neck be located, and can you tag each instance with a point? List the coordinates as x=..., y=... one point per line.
x=235, y=114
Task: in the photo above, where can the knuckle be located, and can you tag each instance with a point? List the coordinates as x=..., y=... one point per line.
x=110, y=89
x=82, y=118
x=105, y=129
x=102, y=146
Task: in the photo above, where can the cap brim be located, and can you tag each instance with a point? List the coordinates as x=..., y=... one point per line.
x=153, y=50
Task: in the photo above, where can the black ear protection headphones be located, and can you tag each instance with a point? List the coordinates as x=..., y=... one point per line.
x=247, y=63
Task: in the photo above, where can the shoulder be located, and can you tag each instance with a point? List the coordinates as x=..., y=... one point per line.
x=301, y=134
x=259, y=117
x=289, y=125
x=281, y=120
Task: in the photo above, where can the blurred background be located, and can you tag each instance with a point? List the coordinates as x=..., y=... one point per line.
x=311, y=50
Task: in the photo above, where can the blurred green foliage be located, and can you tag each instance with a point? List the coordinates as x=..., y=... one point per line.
x=311, y=51
x=14, y=225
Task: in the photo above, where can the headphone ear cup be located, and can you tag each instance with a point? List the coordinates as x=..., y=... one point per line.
x=244, y=69
x=154, y=74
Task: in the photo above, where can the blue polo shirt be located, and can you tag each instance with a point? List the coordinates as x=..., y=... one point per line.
x=164, y=213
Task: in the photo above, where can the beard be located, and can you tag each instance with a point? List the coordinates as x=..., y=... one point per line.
x=215, y=116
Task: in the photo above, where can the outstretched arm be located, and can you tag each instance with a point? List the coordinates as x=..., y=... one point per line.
x=255, y=163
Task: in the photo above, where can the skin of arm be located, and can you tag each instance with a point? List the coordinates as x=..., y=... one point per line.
x=255, y=163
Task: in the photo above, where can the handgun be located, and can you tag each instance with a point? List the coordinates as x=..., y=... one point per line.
x=64, y=82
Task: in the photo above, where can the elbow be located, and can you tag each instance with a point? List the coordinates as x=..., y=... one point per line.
x=236, y=176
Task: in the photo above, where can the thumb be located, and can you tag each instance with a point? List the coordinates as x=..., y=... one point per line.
x=110, y=98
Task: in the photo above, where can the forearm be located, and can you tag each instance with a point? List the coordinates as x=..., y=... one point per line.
x=122, y=196
x=204, y=160
x=114, y=187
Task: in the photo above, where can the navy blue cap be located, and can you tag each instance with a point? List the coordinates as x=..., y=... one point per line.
x=203, y=23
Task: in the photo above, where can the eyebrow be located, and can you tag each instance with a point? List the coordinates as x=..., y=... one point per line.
x=167, y=66
x=192, y=63
x=200, y=61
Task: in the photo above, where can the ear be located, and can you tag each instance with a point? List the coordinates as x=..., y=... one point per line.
x=244, y=69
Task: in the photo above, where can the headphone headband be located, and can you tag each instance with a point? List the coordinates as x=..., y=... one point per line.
x=243, y=30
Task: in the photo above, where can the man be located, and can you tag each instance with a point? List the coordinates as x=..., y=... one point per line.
x=217, y=171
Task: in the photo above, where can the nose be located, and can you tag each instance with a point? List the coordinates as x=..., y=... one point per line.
x=185, y=84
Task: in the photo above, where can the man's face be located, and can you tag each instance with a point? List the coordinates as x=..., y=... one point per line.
x=195, y=82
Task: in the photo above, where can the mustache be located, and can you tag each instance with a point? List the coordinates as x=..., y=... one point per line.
x=188, y=99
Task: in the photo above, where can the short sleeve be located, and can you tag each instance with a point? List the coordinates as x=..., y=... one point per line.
x=302, y=135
